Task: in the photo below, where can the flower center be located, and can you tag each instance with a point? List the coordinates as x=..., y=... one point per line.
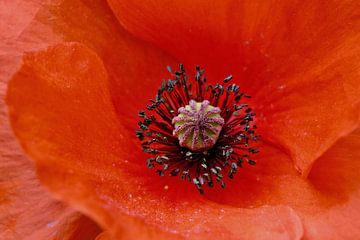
x=197, y=131
x=198, y=125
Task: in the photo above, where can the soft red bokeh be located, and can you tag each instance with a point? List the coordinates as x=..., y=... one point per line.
x=73, y=106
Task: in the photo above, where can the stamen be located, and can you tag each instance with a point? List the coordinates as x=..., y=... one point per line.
x=212, y=132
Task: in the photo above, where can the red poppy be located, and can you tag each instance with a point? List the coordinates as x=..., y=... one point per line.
x=73, y=107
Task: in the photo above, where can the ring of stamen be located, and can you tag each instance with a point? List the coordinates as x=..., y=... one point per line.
x=197, y=130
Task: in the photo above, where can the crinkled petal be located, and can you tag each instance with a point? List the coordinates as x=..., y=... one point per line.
x=26, y=209
x=299, y=60
x=15, y=16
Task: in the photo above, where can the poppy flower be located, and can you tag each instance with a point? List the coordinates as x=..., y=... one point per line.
x=91, y=66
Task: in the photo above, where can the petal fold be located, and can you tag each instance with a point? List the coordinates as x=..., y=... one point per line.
x=335, y=175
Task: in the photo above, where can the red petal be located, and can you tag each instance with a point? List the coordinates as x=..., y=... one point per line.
x=103, y=236
x=335, y=175
x=299, y=60
x=69, y=84
x=27, y=211
x=15, y=16
x=312, y=109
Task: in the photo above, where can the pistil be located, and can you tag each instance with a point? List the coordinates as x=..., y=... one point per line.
x=198, y=125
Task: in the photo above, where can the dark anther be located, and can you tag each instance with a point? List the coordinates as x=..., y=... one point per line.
x=141, y=114
x=161, y=173
x=251, y=162
x=227, y=79
x=175, y=172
